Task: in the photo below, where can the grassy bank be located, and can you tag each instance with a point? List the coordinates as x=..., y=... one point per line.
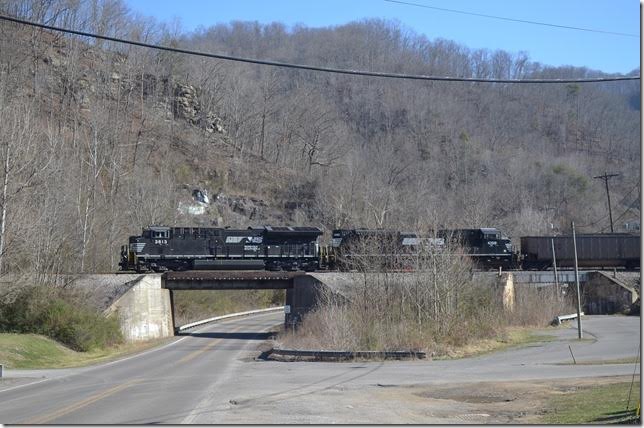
x=603, y=404
x=60, y=313
x=513, y=337
x=33, y=351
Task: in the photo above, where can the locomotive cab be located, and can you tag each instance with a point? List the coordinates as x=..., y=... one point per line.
x=157, y=233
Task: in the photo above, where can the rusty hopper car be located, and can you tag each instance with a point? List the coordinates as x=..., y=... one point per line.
x=593, y=251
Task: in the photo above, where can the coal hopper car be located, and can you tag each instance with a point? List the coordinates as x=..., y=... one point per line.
x=610, y=250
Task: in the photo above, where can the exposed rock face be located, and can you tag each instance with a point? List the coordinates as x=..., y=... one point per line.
x=54, y=57
x=84, y=89
x=212, y=123
x=186, y=104
x=246, y=206
x=173, y=100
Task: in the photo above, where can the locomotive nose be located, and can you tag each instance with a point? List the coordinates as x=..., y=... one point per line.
x=136, y=245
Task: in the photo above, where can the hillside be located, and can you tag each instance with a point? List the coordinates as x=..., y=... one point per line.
x=101, y=139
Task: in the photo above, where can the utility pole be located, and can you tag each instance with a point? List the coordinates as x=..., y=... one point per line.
x=574, y=243
x=606, y=177
x=554, y=264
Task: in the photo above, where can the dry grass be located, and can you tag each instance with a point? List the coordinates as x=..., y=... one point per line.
x=432, y=313
x=537, y=307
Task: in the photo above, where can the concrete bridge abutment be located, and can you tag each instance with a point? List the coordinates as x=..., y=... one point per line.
x=145, y=310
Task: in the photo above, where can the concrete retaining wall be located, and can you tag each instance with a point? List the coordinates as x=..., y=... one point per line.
x=145, y=311
x=603, y=294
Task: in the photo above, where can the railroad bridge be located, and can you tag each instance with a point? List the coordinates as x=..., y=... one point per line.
x=145, y=307
x=145, y=304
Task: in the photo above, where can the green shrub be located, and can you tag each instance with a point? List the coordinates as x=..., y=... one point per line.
x=54, y=313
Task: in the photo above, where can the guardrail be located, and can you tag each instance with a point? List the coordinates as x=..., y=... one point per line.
x=344, y=355
x=222, y=317
x=562, y=318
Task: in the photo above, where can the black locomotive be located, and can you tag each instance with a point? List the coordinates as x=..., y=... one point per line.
x=161, y=248
x=487, y=248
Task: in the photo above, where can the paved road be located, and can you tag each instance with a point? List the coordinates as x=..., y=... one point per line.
x=159, y=386
x=210, y=377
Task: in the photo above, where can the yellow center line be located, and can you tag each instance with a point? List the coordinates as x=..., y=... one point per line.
x=76, y=406
x=96, y=397
x=205, y=348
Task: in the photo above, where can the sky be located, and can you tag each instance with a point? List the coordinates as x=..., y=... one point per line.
x=547, y=45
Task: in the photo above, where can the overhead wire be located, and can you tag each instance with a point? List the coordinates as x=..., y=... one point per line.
x=312, y=67
x=593, y=223
x=628, y=208
x=618, y=218
x=523, y=21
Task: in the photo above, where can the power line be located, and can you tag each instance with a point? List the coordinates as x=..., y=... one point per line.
x=628, y=209
x=311, y=67
x=523, y=21
x=593, y=223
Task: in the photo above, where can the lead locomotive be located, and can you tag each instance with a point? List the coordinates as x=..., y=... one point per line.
x=162, y=248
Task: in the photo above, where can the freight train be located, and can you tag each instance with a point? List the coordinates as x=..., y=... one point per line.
x=162, y=248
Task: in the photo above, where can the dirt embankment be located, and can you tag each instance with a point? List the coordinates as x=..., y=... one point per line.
x=523, y=402
x=526, y=402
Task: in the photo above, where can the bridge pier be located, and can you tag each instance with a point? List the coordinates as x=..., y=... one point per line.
x=304, y=296
x=145, y=311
